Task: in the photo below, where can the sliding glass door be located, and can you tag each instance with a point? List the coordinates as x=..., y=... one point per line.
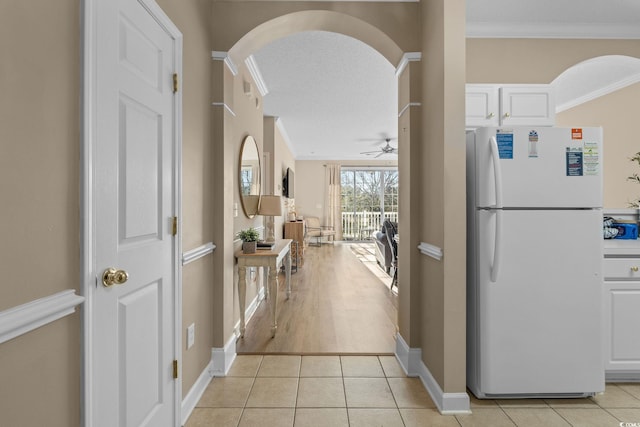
x=369, y=195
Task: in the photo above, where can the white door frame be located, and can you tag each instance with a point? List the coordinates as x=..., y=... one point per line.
x=87, y=161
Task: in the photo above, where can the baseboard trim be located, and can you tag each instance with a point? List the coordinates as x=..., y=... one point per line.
x=411, y=361
x=222, y=358
x=195, y=393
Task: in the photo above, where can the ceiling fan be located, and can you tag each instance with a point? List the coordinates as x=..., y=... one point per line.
x=387, y=149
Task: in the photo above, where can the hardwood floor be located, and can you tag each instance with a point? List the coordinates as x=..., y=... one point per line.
x=337, y=306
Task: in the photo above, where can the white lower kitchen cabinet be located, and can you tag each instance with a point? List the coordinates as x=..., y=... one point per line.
x=622, y=310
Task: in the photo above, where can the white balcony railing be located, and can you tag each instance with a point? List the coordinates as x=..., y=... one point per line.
x=360, y=225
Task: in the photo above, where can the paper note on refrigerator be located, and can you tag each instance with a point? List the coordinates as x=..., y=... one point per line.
x=575, y=162
x=591, y=158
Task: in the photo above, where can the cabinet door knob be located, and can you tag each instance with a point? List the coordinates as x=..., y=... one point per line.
x=634, y=269
x=507, y=115
x=491, y=115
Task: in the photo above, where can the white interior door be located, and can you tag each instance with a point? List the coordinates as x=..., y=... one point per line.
x=132, y=326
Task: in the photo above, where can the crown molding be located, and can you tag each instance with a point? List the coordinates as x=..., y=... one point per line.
x=254, y=70
x=217, y=55
x=562, y=30
x=602, y=91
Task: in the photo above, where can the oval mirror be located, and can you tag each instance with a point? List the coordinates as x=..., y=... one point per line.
x=250, y=186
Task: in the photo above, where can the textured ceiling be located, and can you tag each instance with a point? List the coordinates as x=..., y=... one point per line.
x=330, y=92
x=336, y=97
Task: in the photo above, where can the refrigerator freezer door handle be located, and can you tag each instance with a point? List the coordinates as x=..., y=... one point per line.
x=497, y=247
x=497, y=171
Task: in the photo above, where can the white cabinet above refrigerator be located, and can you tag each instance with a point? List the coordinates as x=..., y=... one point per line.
x=509, y=105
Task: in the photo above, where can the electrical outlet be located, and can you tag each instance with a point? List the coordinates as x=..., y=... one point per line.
x=191, y=335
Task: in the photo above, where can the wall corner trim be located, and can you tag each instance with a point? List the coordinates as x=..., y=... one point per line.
x=430, y=250
x=217, y=55
x=406, y=58
x=222, y=358
x=197, y=253
x=226, y=107
x=406, y=107
x=411, y=361
x=27, y=317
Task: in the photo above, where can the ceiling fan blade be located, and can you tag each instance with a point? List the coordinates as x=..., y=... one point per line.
x=370, y=152
x=381, y=153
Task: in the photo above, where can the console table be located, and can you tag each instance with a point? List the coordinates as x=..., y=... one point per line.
x=269, y=260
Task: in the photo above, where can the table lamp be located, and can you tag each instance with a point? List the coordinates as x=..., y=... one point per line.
x=270, y=206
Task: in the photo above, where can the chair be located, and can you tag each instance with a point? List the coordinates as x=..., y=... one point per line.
x=383, y=250
x=314, y=229
x=390, y=230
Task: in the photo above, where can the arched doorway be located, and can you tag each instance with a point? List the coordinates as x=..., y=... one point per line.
x=279, y=27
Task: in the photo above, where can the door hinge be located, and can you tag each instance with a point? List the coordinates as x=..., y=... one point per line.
x=174, y=226
x=175, y=82
x=175, y=369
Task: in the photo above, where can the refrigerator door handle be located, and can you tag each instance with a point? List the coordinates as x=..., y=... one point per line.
x=497, y=171
x=497, y=247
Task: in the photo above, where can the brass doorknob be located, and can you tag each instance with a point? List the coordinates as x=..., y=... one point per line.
x=112, y=276
x=634, y=269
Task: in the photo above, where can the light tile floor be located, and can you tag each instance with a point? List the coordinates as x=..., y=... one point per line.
x=336, y=391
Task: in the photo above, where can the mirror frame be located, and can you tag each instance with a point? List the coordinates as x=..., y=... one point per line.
x=250, y=209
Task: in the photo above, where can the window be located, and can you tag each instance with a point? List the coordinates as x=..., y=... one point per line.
x=368, y=197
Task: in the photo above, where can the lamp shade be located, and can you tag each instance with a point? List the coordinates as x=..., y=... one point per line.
x=270, y=206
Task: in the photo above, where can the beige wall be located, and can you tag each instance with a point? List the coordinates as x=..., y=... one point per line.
x=39, y=219
x=399, y=21
x=248, y=120
x=283, y=159
x=535, y=60
x=500, y=61
x=197, y=183
x=439, y=215
x=617, y=113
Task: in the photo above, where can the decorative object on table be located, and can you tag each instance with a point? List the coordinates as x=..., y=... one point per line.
x=270, y=206
x=635, y=178
x=249, y=239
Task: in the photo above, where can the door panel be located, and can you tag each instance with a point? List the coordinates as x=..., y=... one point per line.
x=540, y=322
x=140, y=343
x=133, y=324
x=140, y=172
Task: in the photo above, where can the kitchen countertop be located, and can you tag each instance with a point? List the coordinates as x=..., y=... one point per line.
x=616, y=248
x=621, y=247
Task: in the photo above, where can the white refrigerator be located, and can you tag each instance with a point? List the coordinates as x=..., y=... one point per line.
x=534, y=254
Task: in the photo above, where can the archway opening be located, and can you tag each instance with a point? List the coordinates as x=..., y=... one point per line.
x=248, y=48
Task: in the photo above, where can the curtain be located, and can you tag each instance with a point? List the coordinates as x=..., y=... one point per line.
x=332, y=199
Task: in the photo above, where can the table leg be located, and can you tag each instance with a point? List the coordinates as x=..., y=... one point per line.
x=273, y=298
x=287, y=272
x=242, y=295
x=265, y=282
